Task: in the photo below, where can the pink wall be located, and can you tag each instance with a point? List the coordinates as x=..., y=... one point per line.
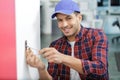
x=7, y=40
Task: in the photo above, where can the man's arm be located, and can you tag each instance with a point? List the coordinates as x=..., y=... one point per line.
x=44, y=75
x=73, y=62
x=53, y=56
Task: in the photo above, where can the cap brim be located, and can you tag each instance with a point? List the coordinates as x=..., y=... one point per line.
x=67, y=12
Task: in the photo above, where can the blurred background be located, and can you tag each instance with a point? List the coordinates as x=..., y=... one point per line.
x=101, y=14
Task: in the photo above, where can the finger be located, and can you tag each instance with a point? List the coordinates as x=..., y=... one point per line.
x=32, y=58
x=42, y=51
x=28, y=60
x=32, y=61
x=29, y=55
x=55, y=58
x=50, y=58
x=51, y=61
x=48, y=53
x=37, y=59
x=28, y=51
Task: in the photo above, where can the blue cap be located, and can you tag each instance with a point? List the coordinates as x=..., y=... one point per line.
x=66, y=7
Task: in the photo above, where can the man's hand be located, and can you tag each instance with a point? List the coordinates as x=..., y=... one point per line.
x=33, y=60
x=52, y=55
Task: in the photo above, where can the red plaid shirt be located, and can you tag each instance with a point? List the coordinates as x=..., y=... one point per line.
x=91, y=47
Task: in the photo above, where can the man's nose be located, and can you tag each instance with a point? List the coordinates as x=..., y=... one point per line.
x=65, y=24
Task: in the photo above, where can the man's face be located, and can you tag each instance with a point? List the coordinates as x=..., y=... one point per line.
x=69, y=24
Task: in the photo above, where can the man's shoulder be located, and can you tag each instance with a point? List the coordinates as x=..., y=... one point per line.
x=93, y=33
x=93, y=30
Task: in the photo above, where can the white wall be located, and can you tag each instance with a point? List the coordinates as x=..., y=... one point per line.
x=27, y=28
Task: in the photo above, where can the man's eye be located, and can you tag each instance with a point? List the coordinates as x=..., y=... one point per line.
x=69, y=18
x=59, y=20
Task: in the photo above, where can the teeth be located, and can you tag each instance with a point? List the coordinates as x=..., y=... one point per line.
x=66, y=30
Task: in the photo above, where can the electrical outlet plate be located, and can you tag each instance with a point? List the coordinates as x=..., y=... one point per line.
x=25, y=44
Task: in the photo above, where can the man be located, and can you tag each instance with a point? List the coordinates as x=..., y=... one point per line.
x=81, y=54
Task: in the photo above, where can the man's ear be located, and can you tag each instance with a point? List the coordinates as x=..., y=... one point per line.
x=80, y=16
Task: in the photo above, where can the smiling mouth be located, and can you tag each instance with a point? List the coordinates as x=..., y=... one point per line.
x=66, y=30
